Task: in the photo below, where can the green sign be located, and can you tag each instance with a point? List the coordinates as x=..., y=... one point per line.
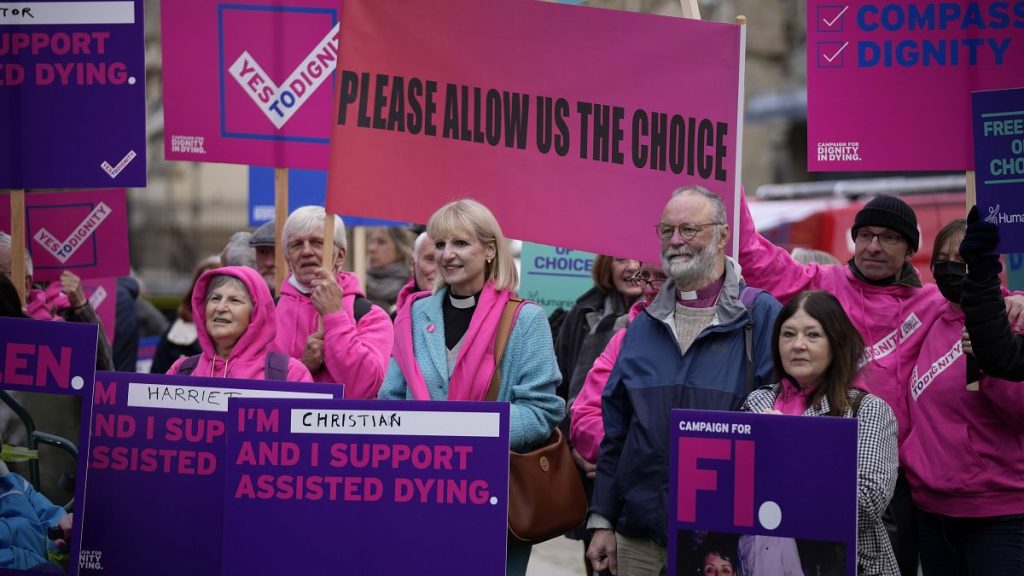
x=554, y=277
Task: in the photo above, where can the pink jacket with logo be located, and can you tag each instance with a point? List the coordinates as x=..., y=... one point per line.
x=587, y=426
x=248, y=357
x=893, y=320
x=355, y=355
x=964, y=455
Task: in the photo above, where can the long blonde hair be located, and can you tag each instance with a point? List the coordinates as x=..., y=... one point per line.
x=467, y=214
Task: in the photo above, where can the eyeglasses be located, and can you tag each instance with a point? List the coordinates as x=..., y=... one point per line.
x=646, y=278
x=686, y=231
x=884, y=238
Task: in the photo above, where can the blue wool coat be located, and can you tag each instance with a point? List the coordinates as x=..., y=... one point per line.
x=529, y=371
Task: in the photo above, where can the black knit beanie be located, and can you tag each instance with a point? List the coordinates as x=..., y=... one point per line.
x=889, y=212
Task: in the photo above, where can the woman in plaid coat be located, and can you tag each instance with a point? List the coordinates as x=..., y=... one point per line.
x=817, y=354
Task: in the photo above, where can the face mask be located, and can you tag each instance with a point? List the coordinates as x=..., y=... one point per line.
x=949, y=276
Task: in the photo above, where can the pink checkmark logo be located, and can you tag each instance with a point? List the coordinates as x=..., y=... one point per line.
x=831, y=22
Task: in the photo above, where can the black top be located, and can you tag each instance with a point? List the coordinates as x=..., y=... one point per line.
x=456, y=320
x=1000, y=353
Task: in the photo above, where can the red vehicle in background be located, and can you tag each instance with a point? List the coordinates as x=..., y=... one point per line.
x=819, y=215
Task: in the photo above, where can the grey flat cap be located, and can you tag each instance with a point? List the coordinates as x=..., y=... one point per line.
x=263, y=236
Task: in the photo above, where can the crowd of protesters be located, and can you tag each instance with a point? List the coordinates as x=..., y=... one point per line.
x=940, y=462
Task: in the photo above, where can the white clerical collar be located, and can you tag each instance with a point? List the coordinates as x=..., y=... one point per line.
x=299, y=286
x=687, y=295
x=462, y=302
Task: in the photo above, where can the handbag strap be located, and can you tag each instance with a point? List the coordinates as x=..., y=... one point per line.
x=508, y=316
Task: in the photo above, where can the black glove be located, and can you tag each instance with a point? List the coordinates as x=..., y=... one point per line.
x=978, y=248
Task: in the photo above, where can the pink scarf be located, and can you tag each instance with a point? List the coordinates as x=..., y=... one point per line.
x=474, y=366
x=42, y=303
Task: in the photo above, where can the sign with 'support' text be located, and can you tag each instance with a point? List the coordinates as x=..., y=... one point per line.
x=157, y=452
x=999, y=163
x=46, y=366
x=572, y=124
x=407, y=479
x=72, y=94
x=249, y=82
x=889, y=83
x=743, y=483
x=84, y=232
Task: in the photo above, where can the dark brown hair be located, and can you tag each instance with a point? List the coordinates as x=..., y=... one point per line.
x=955, y=227
x=844, y=340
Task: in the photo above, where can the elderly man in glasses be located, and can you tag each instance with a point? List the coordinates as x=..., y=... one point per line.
x=703, y=343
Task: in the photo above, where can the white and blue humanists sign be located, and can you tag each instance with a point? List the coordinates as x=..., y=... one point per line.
x=999, y=163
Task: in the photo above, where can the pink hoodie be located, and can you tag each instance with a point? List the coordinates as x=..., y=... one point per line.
x=964, y=456
x=247, y=359
x=587, y=426
x=355, y=355
x=893, y=320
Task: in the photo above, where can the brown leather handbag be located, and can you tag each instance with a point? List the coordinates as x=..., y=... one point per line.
x=545, y=495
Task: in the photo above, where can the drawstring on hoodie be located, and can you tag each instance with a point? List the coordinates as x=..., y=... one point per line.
x=213, y=366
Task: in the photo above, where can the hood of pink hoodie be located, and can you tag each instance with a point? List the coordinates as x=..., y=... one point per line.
x=248, y=356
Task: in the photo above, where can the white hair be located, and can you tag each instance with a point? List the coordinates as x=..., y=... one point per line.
x=307, y=219
x=5, y=242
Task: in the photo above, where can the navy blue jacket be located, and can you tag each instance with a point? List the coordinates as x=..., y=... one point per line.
x=651, y=377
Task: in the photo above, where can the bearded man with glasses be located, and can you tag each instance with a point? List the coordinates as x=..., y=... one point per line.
x=703, y=343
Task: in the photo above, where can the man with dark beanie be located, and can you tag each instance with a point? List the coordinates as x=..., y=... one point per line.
x=883, y=296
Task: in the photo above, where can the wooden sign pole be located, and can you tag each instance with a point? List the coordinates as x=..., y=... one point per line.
x=280, y=215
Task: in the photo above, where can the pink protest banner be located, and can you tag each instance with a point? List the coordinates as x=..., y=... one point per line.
x=572, y=124
x=251, y=82
x=84, y=232
x=889, y=83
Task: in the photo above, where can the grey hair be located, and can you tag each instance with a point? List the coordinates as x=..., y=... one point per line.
x=306, y=220
x=5, y=242
x=417, y=245
x=717, y=207
x=238, y=252
x=219, y=280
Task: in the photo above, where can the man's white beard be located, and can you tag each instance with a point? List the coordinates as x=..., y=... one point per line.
x=689, y=273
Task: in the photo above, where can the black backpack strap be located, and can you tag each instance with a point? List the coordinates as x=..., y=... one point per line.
x=187, y=367
x=360, y=307
x=276, y=366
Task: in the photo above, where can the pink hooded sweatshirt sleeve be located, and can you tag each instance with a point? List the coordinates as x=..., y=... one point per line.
x=355, y=355
x=248, y=357
x=893, y=319
x=586, y=429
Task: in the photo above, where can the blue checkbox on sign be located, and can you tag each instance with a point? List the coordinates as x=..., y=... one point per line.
x=830, y=54
x=830, y=18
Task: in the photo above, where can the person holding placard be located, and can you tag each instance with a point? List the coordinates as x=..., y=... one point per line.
x=964, y=456
x=235, y=326
x=703, y=343
x=444, y=349
x=323, y=317
x=817, y=352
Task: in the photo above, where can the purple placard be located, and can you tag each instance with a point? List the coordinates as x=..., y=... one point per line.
x=84, y=232
x=366, y=487
x=73, y=94
x=740, y=481
x=48, y=369
x=157, y=471
x=999, y=163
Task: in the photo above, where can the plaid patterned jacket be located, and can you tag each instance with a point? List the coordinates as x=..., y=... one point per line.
x=877, y=461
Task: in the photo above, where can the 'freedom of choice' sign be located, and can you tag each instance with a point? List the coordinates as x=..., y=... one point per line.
x=999, y=163
x=250, y=82
x=539, y=111
x=72, y=94
x=889, y=83
x=84, y=232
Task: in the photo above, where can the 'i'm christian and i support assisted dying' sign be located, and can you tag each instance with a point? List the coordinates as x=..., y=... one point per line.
x=889, y=83
x=72, y=94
